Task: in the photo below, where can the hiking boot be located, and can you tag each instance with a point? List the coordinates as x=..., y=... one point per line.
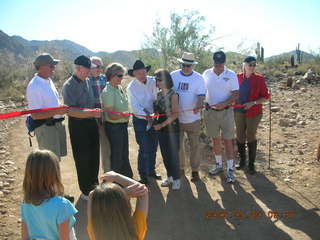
x=252, y=149
x=242, y=155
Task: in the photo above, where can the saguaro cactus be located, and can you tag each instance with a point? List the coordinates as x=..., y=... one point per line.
x=298, y=54
x=260, y=53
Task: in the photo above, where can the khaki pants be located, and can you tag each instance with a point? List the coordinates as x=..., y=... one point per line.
x=104, y=149
x=52, y=138
x=193, y=133
x=246, y=127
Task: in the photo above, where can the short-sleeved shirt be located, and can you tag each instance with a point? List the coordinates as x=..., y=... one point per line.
x=189, y=88
x=98, y=84
x=139, y=219
x=41, y=93
x=114, y=97
x=219, y=87
x=43, y=220
x=78, y=93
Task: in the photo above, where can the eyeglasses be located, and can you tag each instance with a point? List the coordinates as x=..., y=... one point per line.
x=252, y=65
x=119, y=75
x=186, y=65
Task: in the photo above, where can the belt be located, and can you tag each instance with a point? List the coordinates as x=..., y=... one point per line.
x=219, y=110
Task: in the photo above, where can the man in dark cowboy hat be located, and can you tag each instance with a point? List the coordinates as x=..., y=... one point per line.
x=142, y=93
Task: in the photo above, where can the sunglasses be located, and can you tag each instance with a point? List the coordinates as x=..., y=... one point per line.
x=98, y=66
x=186, y=65
x=252, y=65
x=119, y=75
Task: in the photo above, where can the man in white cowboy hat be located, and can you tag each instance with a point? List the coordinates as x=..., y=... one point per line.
x=190, y=86
x=142, y=93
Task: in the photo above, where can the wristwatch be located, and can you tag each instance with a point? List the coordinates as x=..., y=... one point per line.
x=255, y=102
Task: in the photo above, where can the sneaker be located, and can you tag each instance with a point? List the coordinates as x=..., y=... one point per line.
x=167, y=182
x=230, y=177
x=216, y=170
x=176, y=184
x=84, y=197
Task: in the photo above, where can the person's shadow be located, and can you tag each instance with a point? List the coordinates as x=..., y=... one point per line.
x=248, y=218
x=292, y=214
x=81, y=217
x=189, y=214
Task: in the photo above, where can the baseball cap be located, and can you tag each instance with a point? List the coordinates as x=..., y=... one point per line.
x=45, y=59
x=219, y=57
x=83, y=61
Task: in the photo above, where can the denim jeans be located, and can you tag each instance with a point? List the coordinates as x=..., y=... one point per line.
x=117, y=134
x=169, y=146
x=148, y=143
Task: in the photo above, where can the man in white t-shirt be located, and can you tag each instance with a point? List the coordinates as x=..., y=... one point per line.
x=222, y=89
x=41, y=93
x=190, y=87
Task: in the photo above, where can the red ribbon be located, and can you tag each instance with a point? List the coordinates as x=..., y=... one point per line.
x=25, y=112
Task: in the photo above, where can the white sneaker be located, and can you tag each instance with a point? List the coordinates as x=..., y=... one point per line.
x=176, y=184
x=216, y=170
x=84, y=197
x=167, y=182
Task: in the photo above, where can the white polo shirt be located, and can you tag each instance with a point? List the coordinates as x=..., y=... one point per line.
x=41, y=93
x=142, y=96
x=219, y=88
x=189, y=88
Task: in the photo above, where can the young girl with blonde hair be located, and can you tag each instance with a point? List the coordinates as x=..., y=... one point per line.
x=45, y=213
x=109, y=209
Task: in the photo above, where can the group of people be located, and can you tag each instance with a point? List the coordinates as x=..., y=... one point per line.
x=165, y=108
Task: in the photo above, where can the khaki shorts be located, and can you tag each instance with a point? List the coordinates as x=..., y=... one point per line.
x=219, y=123
x=52, y=138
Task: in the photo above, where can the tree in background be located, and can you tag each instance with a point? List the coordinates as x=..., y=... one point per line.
x=186, y=32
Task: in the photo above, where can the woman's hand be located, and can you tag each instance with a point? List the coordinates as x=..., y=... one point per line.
x=157, y=127
x=136, y=190
x=109, y=176
x=248, y=105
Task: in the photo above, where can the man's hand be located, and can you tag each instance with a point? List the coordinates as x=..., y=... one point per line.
x=96, y=113
x=62, y=111
x=219, y=106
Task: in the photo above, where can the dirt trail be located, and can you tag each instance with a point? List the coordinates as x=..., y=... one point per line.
x=209, y=209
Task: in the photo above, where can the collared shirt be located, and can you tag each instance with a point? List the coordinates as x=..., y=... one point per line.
x=219, y=87
x=78, y=93
x=258, y=89
x=114, y=97
x=41, y=93
x=98, y=84
x=189, y=88
x=142, y=96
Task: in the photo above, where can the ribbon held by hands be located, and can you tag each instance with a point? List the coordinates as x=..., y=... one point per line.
x=25, y=112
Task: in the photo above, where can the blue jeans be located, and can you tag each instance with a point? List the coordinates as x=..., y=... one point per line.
x=169, y=145
x=148, y=143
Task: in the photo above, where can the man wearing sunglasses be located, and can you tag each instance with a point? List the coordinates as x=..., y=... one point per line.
x=98, y=82
x=222, y=89
x=190, y=87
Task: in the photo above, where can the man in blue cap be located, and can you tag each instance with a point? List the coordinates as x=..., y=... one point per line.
x=222, y=89
x=83, y=127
